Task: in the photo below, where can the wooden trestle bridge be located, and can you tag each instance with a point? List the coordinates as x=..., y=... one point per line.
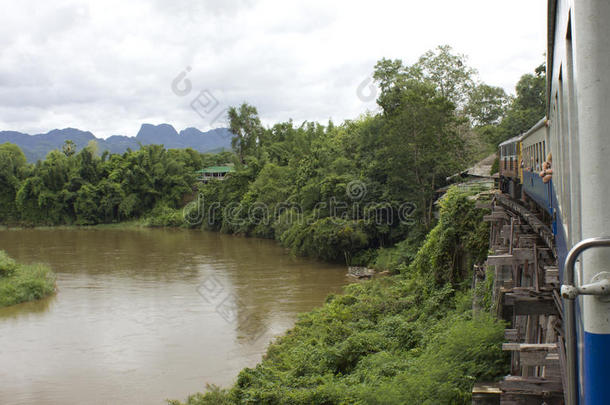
x=526, y=295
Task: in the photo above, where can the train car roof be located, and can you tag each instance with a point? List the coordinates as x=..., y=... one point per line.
x=535, y=128
x=524, y=135
x=511, y=140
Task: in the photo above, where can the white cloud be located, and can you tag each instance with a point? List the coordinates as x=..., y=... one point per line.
x=107, y=66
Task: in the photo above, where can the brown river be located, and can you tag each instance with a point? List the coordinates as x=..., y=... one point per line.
x=145, y=315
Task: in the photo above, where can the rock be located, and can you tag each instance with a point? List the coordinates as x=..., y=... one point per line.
x=360, y=272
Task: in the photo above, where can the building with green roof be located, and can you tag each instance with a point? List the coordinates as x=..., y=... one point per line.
x=215, y=172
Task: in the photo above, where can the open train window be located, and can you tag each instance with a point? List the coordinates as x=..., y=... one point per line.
x=544, y=150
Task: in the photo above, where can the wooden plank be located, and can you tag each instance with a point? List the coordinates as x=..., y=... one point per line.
x=530, y=347
x=486, y=394
x=512, y=335
x=527, y=241
x=530, y=385
x=551, y=275
x=519, y=256
x=523, y=254
x=524, y=399
x=486, y=388
x=500, y=260
x=495, y=217
x=539, y=358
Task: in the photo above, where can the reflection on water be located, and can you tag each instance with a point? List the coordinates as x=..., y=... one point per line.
x=144, y=315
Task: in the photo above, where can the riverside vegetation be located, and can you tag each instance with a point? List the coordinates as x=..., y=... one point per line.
x=409, y=335
x=412, y=335
x=20, y=283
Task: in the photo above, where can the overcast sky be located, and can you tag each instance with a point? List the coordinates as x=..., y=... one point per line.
x=108, y=66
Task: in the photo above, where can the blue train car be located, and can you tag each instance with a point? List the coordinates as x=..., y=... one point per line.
x=563, y=170
x=578, y=110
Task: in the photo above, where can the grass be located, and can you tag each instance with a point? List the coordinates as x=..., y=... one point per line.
x=21, y=283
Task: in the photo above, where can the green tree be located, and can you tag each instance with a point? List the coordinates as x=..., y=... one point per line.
x=246, y=128
x=12, y=170
x=449, y=72
x=69, y=148
x=486, y=105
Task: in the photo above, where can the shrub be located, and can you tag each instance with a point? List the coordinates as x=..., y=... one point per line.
x=7, y=265
x=24, y=282
x=162, y=216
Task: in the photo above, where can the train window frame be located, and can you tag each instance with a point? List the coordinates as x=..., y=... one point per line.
x=544, y=150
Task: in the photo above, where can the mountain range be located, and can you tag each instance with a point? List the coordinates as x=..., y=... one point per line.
x=36, y=147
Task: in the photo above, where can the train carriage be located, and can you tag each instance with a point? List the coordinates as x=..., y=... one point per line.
x=574, y=140
x=509, y=166
x=534, y=144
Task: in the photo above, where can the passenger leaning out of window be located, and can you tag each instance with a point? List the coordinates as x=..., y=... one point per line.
x=547, y=171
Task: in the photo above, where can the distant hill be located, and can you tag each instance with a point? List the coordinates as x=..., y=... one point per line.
x=36, y=147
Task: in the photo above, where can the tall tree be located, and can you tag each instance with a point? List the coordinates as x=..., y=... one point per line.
x=453, y=78
x=12, y=167
x=246, y=128
x=486, y=105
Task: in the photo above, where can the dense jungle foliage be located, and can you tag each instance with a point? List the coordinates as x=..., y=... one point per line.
x=85, y=189
x=21, y=283
x=409, y=338
x=348, y=192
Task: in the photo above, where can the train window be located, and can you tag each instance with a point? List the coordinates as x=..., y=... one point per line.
x=544, y=150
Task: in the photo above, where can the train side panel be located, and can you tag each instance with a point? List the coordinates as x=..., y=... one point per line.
x=579, y=115
x=535, y=148
x=592, y=85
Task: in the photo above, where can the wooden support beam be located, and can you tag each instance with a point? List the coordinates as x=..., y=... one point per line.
x=531, y=386
x=523, y=399
x=486, y=393
x=495, y=217
x=551, y=275
x=530, y=347
x=512, y=335
x=500, y=260
x=523, y=254
x=540, y=358
x=526, y=301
